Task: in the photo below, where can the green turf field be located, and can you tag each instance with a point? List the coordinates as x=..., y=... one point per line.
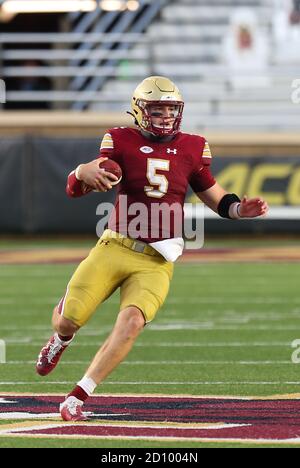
x=226, y=329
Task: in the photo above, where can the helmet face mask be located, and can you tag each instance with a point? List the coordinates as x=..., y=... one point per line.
x=151, y=113
x=158, y=106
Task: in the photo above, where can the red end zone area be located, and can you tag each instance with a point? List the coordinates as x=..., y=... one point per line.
x=193, y=418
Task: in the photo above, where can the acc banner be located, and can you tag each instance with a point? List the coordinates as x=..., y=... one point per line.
x=276, y=179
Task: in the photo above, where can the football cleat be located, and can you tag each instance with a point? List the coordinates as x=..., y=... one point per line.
x=50, y=355
x=71, y=410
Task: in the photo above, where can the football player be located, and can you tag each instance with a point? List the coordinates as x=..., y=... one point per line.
x=158, y=163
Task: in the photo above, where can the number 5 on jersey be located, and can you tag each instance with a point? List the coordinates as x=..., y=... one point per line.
x=159, y=182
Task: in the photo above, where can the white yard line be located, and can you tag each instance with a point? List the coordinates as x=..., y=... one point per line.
x=236, y=383
x=202, y=326
x=224, y=299
x=168, y=363
x=21, y=341
x=171, y=300
x=207, y=326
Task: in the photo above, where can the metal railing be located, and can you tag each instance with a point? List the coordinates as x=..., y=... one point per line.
x=80, y=61
x=53, y=55
x=69, y=62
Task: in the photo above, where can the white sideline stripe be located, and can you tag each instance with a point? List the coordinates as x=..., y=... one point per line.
x=11, y=299
x=171, y=300
x=213, y=318
x=2, y=383
x=174, y=318
x=32, y=428
x=240, y=328
x=47, y=328
x=206, y=427
x=36, y=328
x=231, y=300
x=205, y=327
x=217, y=324
x=18, y=341
x=167, y=363
x=35, y=383
x=213, y=345
x=20, y=430
x=19, y=415
x=163, y=345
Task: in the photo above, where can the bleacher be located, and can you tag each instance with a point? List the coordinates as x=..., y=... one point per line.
x=99, y=62
x=186, y=44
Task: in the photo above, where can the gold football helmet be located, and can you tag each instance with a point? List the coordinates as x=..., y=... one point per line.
x=157, y=91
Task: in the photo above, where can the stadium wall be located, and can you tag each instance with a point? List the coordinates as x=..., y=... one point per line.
x=37, y=152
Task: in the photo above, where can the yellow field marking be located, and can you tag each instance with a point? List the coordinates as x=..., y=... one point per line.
x=230, y=255
x=159, y=439
x=42, y=255
x=27, y=425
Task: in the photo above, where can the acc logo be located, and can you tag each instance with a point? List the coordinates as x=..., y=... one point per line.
x=146, y=149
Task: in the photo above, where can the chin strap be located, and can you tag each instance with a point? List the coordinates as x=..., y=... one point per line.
x=132, y=115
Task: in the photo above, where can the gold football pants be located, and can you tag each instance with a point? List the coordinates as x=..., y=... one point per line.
x=143, y=279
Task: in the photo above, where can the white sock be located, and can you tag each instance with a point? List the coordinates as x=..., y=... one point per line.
x=64, y=343
x=87, y=384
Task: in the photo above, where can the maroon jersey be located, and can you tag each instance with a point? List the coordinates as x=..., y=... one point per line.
x=155, y=178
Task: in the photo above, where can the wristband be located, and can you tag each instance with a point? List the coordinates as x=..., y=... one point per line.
x=234, y=211
x=77, y=171
x=224, y=208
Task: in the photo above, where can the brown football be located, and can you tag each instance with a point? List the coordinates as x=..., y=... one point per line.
x=111, y=166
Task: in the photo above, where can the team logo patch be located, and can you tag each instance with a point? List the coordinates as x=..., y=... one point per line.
x=223, y=419
x=146, y=149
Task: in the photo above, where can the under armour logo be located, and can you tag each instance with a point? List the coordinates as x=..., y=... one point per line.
x=104, y=242
x=169, y=151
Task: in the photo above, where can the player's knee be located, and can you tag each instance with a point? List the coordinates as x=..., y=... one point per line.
x=65, y=327
x=133, y=321
x=73, y=315
x=136, y=324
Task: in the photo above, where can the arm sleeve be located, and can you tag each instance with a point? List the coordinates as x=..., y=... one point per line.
x=76, y=188
x=202, y=178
